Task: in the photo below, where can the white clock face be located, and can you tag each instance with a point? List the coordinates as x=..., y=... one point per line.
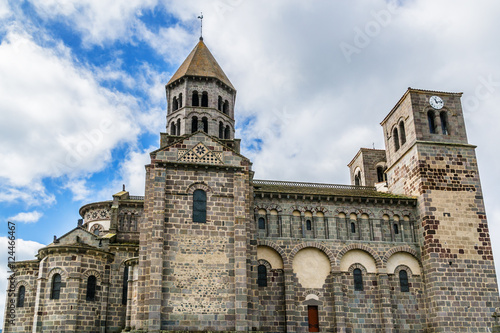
x=436, y=102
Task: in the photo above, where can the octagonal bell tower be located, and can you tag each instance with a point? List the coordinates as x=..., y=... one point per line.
x=200, y=98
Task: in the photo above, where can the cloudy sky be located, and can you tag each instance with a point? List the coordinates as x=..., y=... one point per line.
x=82, y=91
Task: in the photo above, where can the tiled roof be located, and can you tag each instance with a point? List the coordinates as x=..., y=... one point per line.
x=284, y=187
x=200, y=62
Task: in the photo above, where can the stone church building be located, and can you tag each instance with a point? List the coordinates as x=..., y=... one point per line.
x=404, y=248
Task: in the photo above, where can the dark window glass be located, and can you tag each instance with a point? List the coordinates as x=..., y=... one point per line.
x=221, y=130
x=444, y=122
x=175, y=104
x=402, y=132
x=172, y=128
x=219, y=104
x=262, y=223
x=195, y=100
x=125, y=286
x=56, y=286
x=395, y=136
x=178, y=127
x=204, y=99
x=262, y=276
x=358, y=279
x=308, y=225
x=194, y=124
x=91, y=286
x=180, y=100
x=225, y=107
x=380, y=174
x=396, y=228
x=430, y=119
x=20, y=296
x=199, y=206
x=357, y=179
x=226, y=133
x=403, y=281
x=353, y=227
x=204, y=120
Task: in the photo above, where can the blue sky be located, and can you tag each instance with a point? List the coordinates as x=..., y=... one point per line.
x=82, y=90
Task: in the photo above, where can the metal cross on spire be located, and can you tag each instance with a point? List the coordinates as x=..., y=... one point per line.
x=201, y=20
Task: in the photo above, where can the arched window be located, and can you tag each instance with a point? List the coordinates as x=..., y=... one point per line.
x=308, y=225
x=172, y=128
x=194, y=124
x=402, y=132
x=396, y=228
x=20, y=296
x=395, y=137
x=180, y=100
x=199, y=206
x=204, y=120
x=403, y=281
x=125, y=285
x=55, y=291
x=204, y=99
x=353, y=228
x=178, y=127
x=175, y=104
x=430, y=119
x=262, y=276
x=225, y=107
x=221, y=130
x=262, y=223
x=357, y=178
x=91, y=286
x=226, y=132
x=219, y=103
x=444, y=122
x=358, y=279
x=195, y=99
x=380, y=174
x=96, y=232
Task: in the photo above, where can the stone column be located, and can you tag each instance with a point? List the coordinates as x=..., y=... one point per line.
x=387, y=319
x=157, y=219
x=41, y=282
x=128, y=314
x=240, y=252
x=290, y=309
x=338, y=306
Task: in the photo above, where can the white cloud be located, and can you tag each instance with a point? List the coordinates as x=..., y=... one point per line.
x=26, y=217
x=4, y=9
x=78, y=188
x=32, y=194
x=56, y=119
x=25, y=250
x=98, y=21
x=131, y=173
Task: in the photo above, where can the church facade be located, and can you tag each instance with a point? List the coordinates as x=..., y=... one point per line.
x=210, y=248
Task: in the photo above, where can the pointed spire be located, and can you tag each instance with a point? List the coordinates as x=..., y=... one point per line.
x=200, y=62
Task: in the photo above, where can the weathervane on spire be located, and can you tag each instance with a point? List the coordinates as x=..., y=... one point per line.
x=201, y=20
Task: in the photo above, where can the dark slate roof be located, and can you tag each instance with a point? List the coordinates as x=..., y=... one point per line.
x=200, y=62
x=285, y=187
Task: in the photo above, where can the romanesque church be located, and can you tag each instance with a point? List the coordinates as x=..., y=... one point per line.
x=211, y=248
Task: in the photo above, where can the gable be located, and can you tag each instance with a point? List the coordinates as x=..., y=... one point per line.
x=78, y=235
x=200, y=148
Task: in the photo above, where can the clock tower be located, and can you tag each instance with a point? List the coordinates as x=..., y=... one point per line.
x=429, y=157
